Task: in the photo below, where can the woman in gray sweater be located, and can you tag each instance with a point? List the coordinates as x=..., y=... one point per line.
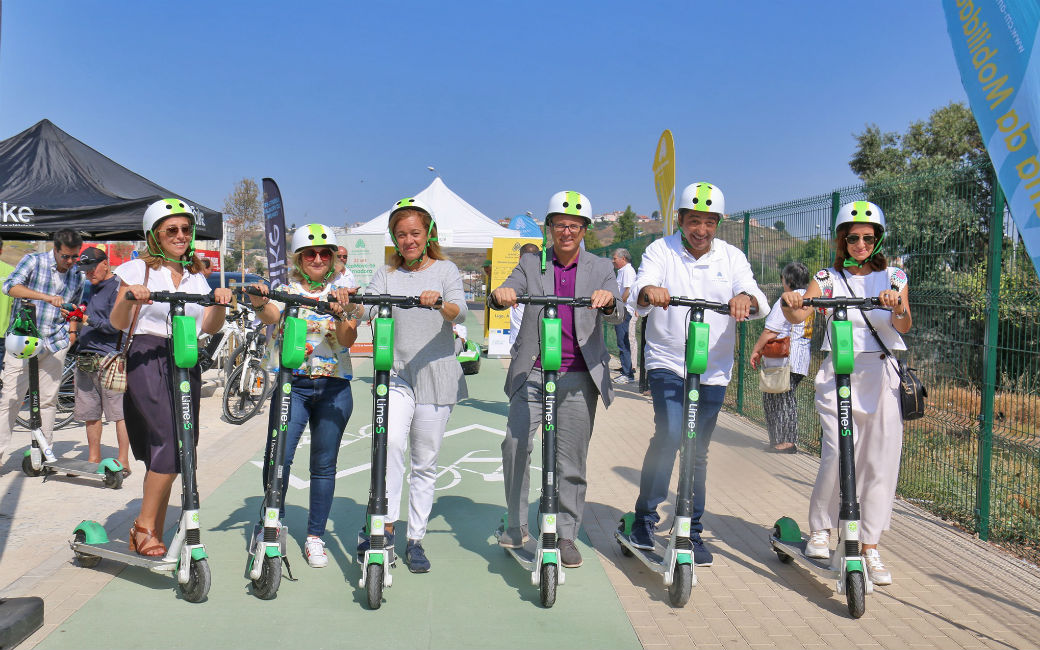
x=426, y=380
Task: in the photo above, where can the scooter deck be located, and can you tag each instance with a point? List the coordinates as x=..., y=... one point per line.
x=82, y=468
x=119, y=550
x=655, y=559
x=526, y=554
x=796, y=550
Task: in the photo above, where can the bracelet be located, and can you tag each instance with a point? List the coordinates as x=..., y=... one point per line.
x=899, y=316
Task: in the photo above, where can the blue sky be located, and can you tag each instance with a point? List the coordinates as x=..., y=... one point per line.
x=345, y=104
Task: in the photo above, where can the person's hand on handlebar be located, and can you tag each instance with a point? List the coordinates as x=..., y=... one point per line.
x=504, y=296
x=222, y=296
x=259, y=302
x=341, y=305
x=890, y=300
x=429, y=298
x=601, y=298
x=792, y=299
x=656, y=296
x=141, y=294
x=740, y=306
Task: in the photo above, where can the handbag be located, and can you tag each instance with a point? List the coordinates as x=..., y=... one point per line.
x=775, y=379
x=912, y=392
x=777, y=348
x=112, y=368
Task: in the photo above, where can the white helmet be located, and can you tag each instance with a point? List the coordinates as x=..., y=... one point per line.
x=570, y=203
x=313, y=234
x=860, y=212
x=163, y=208
x=410, y=202
x=702, y=197
x=23, y=346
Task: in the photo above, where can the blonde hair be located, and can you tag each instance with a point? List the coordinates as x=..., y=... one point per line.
x=433, y=248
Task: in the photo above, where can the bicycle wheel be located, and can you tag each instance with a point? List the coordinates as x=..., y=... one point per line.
x=66, y=400
x=242, y=400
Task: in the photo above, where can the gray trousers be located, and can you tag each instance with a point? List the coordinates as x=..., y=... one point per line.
x=576, y=414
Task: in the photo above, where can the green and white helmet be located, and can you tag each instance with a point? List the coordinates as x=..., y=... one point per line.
x=702, y=197
x=860, y=212
x=411, y=202
x=574, y=204
x=313, y=234
x=23, y=346
x=164, y=208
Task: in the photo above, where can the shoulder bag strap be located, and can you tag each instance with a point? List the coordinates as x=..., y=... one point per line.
x=133, y=323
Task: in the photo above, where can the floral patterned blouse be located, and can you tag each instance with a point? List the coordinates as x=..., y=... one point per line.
x=325, y=356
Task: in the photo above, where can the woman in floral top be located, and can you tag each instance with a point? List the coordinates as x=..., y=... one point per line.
x=321, y=394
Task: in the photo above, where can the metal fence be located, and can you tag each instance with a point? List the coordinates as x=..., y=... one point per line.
x=974, y=459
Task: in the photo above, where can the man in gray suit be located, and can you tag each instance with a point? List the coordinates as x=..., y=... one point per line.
x=565, y=270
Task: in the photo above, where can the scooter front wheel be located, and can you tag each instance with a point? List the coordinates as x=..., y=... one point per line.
x=266, y=586
x=374, y=585
x=682, y=585
x=549, y=579
x=855, y=593
x=28, y=468
x=199, y=581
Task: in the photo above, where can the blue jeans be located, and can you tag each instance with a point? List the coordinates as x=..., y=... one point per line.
x=325, y=403
x=666, y=389
x=623, y=346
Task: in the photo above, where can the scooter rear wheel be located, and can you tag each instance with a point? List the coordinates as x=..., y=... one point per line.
x=199, y=581
x=266, y=586
x=547, y=584
x=82, y=559
x=374, y=585
x=780, y=555
x=682, y=585
x=28, y=468
x=113, y=480
x=855, y=593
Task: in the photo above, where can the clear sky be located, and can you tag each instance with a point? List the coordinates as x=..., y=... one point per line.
x=345, y=104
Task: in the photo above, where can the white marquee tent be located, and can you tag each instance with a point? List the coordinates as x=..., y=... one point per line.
x=459, y=224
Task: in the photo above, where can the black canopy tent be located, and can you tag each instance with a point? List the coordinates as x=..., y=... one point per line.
x=50, y=180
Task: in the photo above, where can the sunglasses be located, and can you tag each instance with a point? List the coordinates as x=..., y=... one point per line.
x=342, y=257
x=68, y=257
x=310, y=253
x=171, y=231
x=867, y=239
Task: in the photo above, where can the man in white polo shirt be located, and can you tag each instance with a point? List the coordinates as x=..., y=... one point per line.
x=690, y=263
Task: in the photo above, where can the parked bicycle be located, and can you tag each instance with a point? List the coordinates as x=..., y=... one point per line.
x=215, y=352
x=249, y=383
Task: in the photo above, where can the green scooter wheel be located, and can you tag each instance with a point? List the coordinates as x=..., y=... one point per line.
x=374, y=585
x=266, y=586
x=855, y=593
x=28, y=468
x=199, y=581
x=549, y=578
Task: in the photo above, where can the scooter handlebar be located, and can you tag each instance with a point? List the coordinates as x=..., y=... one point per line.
x=831, y=303
x=404, y=302
x=204, y=299
x=314, y=304
x=706, y=305
x=584, y=301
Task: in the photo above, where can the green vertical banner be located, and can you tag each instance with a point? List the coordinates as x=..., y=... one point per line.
x=664, y=180
x=995, y=46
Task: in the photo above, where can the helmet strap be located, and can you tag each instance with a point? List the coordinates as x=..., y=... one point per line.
x=190, y=253
x=315, y=285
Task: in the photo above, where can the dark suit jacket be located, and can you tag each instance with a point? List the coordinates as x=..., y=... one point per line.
x=593, y=273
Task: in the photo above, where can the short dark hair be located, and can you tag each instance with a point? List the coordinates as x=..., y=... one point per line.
x=796, y=275
x=529, y=248
x=67, y=238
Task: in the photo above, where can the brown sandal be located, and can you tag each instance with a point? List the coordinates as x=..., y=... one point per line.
x=155, y=549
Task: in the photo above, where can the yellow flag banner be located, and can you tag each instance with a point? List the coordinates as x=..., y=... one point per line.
x=664, y=180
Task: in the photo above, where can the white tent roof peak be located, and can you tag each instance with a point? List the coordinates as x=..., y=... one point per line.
x=459, y=224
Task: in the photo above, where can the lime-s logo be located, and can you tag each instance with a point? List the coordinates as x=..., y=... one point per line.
x=185, y=387
x=550, y=387
x=844, y=392
x=381, y=390
x=286, y=388
x=694, y=395
x=271, y=514
x=852, y=526
x=550, y=520
x=195, y=518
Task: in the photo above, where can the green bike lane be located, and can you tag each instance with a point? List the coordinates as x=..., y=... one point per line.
x=475, y=596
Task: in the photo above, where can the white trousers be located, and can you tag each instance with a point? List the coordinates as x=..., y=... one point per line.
x=16, y=384
x=878, y=437
x=419, y=427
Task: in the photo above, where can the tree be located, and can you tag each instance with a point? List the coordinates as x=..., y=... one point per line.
x=242, y=208
x=655, y=215
x=780, y=226
x=591, y=238
x=625, y=226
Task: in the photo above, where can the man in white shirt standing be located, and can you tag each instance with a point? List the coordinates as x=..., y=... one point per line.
x=626, y=277
x=693, y=264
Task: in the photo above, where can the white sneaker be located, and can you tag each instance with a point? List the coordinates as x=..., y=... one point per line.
x=314, y=549
x=876, y=570
x=819, y=545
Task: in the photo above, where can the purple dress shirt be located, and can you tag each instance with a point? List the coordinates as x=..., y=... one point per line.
x=563, y=286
